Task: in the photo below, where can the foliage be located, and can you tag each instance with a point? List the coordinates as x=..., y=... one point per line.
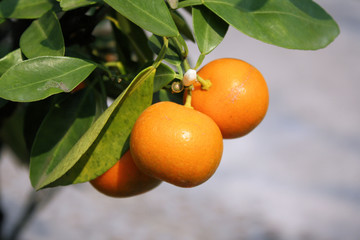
x=72, y=136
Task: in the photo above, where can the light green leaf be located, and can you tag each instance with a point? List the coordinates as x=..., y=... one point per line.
x=295, y=24
x=9, y=60
x=27, y=9
x=43, y=37
x=40, y=77
x=152, y=15
x=106, y=140
x=209, y=29
x=67, y=5
x=67, y=120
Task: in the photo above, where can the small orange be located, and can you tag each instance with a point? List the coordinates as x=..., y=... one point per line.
x=237, y=99
x=176, y=144
x=124, y=179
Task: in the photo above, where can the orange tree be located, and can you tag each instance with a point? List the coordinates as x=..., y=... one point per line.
x=128, y=51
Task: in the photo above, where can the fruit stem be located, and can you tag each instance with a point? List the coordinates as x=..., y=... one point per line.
x=205, y=84
x=188, y=97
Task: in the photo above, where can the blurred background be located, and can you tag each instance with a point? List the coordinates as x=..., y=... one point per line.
x=295, y=177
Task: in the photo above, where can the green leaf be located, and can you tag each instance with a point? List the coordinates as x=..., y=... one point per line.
x=3, y=102
x=209, y=29
x=135, y=37
x=164, y=75
x=9, y=60
x=27, y=9
x=35, y=112
x=152, y=15
x=67, y=120
x=106, y=140
x=43, y=37
x=167, y=95
x=294, y=24
x=40, y=77
x=67, y=5
x=182, y=25
x=2, y=20
x=173, y=53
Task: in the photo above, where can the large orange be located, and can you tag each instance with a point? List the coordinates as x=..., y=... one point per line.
x=176, y=144
x=124, y=179
x=237, y=99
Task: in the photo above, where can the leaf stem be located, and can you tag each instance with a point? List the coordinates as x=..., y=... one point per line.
x=199, y=61
x=162, y=53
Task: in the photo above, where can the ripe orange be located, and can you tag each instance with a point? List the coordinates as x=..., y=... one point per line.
x=176, y=144
x=238, y=98
x=124, y=179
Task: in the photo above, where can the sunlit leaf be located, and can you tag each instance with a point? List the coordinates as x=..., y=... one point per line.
x=67, y=5
x=296, y=24
x=43, y=37
x=106, y=140
x=209, y=29
x=9, y=60
x=40, y=77
x=152, y=15
x=25, y=8
x=67, y=120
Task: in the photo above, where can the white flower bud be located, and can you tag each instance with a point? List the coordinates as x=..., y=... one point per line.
x=189, y=77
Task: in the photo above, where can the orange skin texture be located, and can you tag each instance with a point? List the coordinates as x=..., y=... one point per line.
x=124, y=179
x=238, y=98
x=176, y=144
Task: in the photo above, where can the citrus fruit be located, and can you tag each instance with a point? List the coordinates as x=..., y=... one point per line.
x=176, y=144
x=237, y=99
x=124, y=179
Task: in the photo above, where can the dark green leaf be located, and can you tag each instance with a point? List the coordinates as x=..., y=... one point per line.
x=68, y=119
x=136, y=38
x=2, y=102
x=67, y=5
x=209, y=29
x=182, y=25
x=295, y=24
x=152, y=15
x=164, y=75
x=9, y=60
x=173, y=53
x=107, y=139
x=40, y=77
x=167, y=95
x=43, y=37
x=25, y=8
x=35, y=113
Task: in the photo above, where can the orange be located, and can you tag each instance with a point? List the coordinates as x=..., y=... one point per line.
x=237, y=99
x=124, y=179
x=176, y=144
